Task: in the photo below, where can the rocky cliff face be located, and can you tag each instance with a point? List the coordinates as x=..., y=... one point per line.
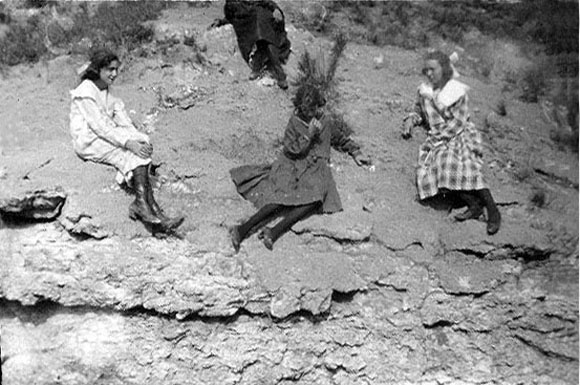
x=386, y=292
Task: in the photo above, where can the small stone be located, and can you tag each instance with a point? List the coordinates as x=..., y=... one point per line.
x=36, y=205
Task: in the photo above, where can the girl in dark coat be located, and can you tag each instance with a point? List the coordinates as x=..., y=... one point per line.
x=299, y=183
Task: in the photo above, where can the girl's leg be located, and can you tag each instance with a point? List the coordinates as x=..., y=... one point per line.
x=140, y=208
x=292, y=217
x=266, y=213
x=493, y=214
x=276, y=66
x=474, y=208
x=258, y=59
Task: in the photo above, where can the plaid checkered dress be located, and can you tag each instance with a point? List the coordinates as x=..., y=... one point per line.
x=451, y=157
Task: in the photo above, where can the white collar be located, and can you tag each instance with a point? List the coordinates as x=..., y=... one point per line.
x=451, y=92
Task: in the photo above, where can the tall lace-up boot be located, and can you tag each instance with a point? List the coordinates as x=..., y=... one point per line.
x=140, y=208
x=493, y=214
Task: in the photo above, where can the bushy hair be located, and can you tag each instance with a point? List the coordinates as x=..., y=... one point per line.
x=99, y=59
x=307, y=99
x=315, y=84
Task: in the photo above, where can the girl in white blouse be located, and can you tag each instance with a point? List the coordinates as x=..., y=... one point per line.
x=102, y=132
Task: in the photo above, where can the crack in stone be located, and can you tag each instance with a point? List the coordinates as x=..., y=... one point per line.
x=472, y=253
x=545, y=352
x=563, y=181
x=438, y=324
x=339, y=240
x=390, y=286
x=43, y=302
x=474, y=295
x=525, y=254
x=384, y=244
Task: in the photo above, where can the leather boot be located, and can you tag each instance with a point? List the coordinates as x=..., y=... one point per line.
x=140, y=208
x=474, y=208
x=493, y=214
x=236, y=238
x=168, y=223
x=254, y=75
x=267, y=238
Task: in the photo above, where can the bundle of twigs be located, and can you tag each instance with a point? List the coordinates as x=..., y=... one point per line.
x=314, y=71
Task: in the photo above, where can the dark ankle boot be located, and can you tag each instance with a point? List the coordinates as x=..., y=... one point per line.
x=493, y=214
x=283, y=84
x=140, y=208
x=267, y=238
x=474, y=209
x=254, y=75
x=236, y=238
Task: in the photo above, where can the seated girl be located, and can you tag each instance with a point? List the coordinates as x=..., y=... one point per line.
x=103, y=133
x=450, y=159
x=299, y=183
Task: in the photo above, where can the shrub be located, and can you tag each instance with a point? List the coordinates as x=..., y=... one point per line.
x=419, y=24
x=119, y=25
x=501, y=108
x=538, y=197
x=533, y=84
x=315, y=71
x=23, y=43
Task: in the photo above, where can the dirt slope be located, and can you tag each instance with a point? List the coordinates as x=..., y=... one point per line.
x=386, y=292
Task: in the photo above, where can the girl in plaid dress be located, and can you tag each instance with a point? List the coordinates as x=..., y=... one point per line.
x=451, y=157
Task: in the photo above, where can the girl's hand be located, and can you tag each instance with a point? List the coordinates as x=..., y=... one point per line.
x=141, y=149
x=277, y=15
x=406, y=131
x=426, y=91
x=362, y=160
x=314, y=127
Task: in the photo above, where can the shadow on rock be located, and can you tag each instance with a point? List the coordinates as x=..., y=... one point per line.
x=443, y=202
x=32, y=207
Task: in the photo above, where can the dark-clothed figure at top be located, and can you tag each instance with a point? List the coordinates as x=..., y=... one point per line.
x=299, y=183
x=261, y=34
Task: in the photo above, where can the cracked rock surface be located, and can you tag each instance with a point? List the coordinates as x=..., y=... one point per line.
x=387, y=291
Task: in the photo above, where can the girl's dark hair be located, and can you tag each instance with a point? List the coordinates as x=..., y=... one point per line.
x=445, y=64
x=307, y=99
x=99, y=59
